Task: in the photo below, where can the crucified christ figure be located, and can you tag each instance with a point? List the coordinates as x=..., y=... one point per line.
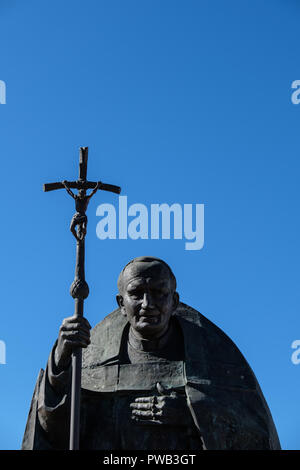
x=81, y=203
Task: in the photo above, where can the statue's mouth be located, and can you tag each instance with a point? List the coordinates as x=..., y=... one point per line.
x=149, y=318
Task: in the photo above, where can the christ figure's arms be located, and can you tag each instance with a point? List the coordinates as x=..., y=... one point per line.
x=94, y=191
x=64, y=182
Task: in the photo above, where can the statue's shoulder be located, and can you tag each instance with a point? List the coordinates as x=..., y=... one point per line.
x=217, y=344
x=105, y=339
x=114, y=320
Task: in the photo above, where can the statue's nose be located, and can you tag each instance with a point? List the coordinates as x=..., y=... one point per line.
x=147, y=301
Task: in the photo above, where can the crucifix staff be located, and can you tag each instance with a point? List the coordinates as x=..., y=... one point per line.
x=79, y=289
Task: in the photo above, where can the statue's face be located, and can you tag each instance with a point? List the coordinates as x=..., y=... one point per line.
x=148, y=299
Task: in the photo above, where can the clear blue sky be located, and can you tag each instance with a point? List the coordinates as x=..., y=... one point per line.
x=178, y=102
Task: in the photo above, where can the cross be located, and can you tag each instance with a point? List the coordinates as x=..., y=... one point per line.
x=79, y=289
x=82, y=183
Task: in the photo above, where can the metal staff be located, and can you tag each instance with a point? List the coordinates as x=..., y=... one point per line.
x=79, y=289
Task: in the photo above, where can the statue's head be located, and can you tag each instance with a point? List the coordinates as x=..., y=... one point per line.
x=147, y=295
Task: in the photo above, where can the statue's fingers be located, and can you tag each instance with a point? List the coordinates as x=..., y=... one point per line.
x=143, y=413
x=75, y=344
x=141, y=406
x=76, y=319
x=84, y=338
x=144, y=399
x=74, y=335
x=73, y=330
x=145, y=422
x=84, y=321
x=66, y=322
x=72, y=319
x=76, y=327
x=84, y=330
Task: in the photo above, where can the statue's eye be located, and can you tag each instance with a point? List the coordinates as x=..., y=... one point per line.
x=136, y=293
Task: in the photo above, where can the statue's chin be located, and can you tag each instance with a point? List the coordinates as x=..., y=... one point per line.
x=146, y=327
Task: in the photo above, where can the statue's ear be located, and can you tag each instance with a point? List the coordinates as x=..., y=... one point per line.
x=175, y=300
x=120, y=302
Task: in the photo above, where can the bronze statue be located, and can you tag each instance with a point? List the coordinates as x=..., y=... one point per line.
x=156, y=375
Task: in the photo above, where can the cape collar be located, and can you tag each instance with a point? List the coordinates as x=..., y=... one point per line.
x=146, y=345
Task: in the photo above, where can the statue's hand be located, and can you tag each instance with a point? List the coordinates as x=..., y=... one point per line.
x=158, y=410
x=73, y=333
